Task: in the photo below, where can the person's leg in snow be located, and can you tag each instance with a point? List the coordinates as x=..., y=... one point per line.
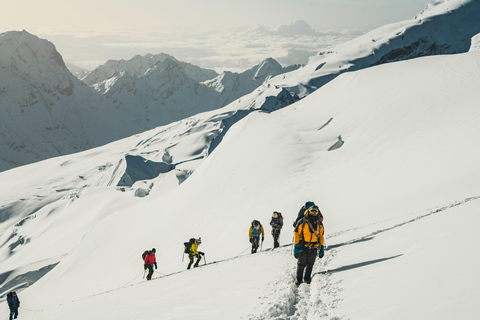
x=255, y=242
x=199, y=257
x=305, y=263
x=190, y=256
x=276, y=235
x=311, y=257
x=150, y=271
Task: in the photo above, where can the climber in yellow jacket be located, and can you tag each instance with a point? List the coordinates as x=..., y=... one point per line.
x=308, y=242
x=193, y=252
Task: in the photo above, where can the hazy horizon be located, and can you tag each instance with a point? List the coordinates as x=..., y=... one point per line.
x=220, y=35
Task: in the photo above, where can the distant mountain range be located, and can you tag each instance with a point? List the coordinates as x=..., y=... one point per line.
x=47, y=111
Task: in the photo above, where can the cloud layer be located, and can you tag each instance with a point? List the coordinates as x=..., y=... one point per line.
x=233, y=50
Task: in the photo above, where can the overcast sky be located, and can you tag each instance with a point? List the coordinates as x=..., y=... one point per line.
x=217, y=34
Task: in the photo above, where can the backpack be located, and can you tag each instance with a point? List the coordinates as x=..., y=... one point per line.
x=256, y=223
x=144, y=255
x=188, y=245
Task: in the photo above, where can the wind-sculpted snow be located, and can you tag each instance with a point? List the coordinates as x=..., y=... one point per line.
x=139, y=168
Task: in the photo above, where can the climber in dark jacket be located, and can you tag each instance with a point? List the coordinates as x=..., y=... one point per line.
x=13, y=304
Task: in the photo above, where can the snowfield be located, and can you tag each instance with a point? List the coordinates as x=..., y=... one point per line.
x=388, y=153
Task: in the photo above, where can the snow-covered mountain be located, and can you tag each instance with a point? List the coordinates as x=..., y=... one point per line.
x=444, y=27
x=45, y=110
x=387, y=153
x=160, y=89
x=153, y=90
x=231, y=86
x=48, y=112
x=139, y=66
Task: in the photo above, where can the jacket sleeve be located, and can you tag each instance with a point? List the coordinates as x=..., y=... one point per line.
x=250, y=233
x=263, y=234
x=146, y=259
x=322, y=240
x=296, y=234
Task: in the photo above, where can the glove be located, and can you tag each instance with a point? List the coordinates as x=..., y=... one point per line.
x=297, y=250
x=321, y=252
x=201, y=253
x=155, y=265
x=145, y=267
x=251, y=240
x=262, y=239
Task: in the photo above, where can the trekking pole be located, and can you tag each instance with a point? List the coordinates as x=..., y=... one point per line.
x=144, y=273
x=293, y=239
x=204, y=259
x=183, y=256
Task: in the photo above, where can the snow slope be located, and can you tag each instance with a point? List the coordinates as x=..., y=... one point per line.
x=387, y=152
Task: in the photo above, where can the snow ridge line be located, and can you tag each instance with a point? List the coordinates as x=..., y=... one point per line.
x=370, y=235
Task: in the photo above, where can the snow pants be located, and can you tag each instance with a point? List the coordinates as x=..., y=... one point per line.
x=13, y=313
x=276, y=235
x=190, y=256
x=306, y=260
x=255, y=243
x=150, y=271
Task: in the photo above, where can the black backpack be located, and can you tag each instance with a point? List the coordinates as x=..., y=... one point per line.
x=144, y=255
x=188, y=245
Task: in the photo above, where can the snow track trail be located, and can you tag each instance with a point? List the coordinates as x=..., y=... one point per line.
x=315, y=301
x=320, y=299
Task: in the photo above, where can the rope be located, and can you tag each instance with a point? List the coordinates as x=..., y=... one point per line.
x=30, y=309
x=238, y=255
x=133, y=279
x=129, y=281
